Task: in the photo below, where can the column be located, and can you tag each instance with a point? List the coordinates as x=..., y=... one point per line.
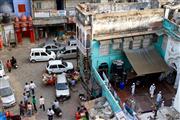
x=166, y=13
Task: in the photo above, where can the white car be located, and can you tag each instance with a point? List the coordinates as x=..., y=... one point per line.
x=68, y=52
x=6, y=93
x=58, y=66
x=41, y=54
x=2, y=72
x=62, y=88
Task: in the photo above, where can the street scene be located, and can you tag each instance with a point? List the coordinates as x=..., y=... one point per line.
x=89, y=60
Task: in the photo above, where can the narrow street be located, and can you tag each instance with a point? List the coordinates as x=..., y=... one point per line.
x=27, y=72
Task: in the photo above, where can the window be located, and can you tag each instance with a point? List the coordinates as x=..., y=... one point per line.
x=61, y=66
x=68, y=51
x=21, y=8
x=73, y=51
x=48, y=47
x=38, y=5
x=53, y=66
x=43, y=54
x=37, y=54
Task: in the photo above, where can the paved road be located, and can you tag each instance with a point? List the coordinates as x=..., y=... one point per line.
x=33, y=71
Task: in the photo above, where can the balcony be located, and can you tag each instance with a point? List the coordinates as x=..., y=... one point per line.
x=172, y=28
x=82, y=48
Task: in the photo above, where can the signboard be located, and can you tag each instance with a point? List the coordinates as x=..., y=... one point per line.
x=61, y=12
x=41, y=14
x=72, y=13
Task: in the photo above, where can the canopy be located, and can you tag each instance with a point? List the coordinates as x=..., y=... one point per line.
x=146, y=61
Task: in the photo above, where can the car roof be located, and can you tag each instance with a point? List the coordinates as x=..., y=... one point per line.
x=52, y=62
x=61, y=78
x=4, y=83
x=37, y=49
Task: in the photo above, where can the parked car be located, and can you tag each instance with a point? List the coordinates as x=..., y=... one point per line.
x=72, y=41
x=68, y=52
x=2, y=71
x=62, y=88
x=6, y=93
x=41, y=54
x=52, y=45
x=58, y=66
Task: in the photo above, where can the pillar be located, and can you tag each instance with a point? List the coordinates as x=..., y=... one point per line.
x=166, y=13
x=1, y=42
x=32, y=36
x=19, y=36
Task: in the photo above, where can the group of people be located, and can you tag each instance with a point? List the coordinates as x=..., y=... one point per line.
x=152, y=88
x=11, y=63
x=29, y=104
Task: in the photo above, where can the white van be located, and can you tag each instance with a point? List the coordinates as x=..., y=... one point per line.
x=6, y=93
x=2, y=72
x=41, y=54
x=59, y=66
x=62, y=88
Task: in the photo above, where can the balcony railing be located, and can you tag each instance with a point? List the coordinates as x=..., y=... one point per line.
x=82, y=48
x=172, y=28
x=53, y=13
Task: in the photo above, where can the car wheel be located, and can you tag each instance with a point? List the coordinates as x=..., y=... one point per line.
x=33, y=61
x=50, y=59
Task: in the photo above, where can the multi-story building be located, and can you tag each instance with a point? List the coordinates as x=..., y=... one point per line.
x=131, y=32
x=53, y=17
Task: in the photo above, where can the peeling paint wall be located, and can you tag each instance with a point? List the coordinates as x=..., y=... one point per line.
x=106, y=23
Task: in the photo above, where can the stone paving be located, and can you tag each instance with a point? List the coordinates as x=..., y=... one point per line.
x=33, y=71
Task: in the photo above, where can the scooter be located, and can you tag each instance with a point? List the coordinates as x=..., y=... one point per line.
x=57, y=111
x=15, y=66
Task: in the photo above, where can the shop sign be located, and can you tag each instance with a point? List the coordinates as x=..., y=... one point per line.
x=72, y=13
x=61, y=12
x=41, y=14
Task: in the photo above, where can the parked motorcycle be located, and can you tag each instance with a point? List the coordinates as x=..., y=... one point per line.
x=57, y=111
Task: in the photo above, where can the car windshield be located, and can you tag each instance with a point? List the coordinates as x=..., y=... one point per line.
x=4, y=92
x=64, y=63
x=61, y=86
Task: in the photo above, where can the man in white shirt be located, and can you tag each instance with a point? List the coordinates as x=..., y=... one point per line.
x=32, y=87
x=27, y=89
x=50, y=114
x=56, y=104
x=41, y=102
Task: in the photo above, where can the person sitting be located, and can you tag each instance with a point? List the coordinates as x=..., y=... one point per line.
x=13, y=61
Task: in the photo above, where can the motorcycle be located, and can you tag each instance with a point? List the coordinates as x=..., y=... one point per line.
x=57, y=111
x=15, y=66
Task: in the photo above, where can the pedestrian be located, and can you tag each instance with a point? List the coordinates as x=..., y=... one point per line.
x=25, y=98
x=41, y=102
x=56, y=104
x=21, y=108
x=34, y=102
x=152, y=89
x=50, y=114
x=159, y=98
x=32, y=87
x=8, y=65
x=162, y=104
x=29, y=108
x=27, y=89
x=133, y=88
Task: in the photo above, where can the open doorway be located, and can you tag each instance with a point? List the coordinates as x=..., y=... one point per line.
x=103, y=68
x=60, y=4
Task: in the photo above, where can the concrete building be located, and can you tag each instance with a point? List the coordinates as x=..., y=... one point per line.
x=131, y=32
x=53, y=17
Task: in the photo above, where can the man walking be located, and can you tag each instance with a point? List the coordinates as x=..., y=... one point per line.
x=34, y=103
x=32, y=87
x=50, y=114
x=29, y=108
x=152, y=89
x=8, y=65
x=25, y=98
x=21, y=108
x=41, y=102
x=27, y=89
x=159, y=98
x=133, y=88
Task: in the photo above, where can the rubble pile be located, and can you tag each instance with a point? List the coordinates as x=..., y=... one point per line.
x=100, y=110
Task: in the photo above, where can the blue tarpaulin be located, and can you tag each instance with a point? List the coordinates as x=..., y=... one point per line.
x=2, y=116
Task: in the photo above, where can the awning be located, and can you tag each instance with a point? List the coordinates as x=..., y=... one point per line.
x=146, y=61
